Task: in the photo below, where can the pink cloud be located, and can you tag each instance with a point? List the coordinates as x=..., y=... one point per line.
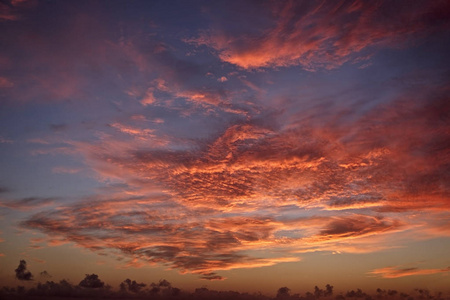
x=5, y=83
x=205, y=205
x=13, y=11
x=321, y=35
x=248, y=170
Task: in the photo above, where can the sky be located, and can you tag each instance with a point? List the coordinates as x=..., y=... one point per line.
x=242, y=145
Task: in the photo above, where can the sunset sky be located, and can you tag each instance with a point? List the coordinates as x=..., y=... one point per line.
x=242, y=145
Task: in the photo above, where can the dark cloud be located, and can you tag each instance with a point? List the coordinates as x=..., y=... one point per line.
x=189, y=246
x=58, y=127
x=397, y=272
x=211, y=276
x=356, y=201
x=358, y=225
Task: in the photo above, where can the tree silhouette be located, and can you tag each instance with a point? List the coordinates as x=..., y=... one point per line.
x=131, y=286
x=22, y=273
x=318, y=292
x=91, y=281
x=328, y=290
x=164, y=283
x=283, y=292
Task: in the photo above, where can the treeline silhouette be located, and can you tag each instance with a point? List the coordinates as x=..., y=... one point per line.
x=92, y=287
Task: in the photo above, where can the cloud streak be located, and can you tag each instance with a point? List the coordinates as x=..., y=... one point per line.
x=397, y=272
x=27, y=204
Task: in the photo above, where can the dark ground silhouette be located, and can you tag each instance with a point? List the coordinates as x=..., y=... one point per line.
x=130, y=289
x=91, y=287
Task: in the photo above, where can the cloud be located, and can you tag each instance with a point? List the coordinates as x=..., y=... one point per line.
x=26, y=204
x=331, y=176
x=58, y=127
x=345, y=227
x=65, y=170
x=89, y=62
x=177, y=243
x=82, y=51
x=315, y=34
x=397, y=272
x=4, y=190
x=212, y=100
x=212, y=276
x=54, y=150
x=5, y=83
x=5, y=141
x=205, y=205
x=11, y=10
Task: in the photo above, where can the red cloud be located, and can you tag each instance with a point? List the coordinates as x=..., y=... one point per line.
x=205, y=205
x=201, y=207
x=322, y=34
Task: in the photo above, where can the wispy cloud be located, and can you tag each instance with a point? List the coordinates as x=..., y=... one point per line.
x=5, y=140
x=396, y=272
x=298, y=33
x=5, y=83
x=11, y=10
x=65, y=170
x=27, y=204
x=201, y=207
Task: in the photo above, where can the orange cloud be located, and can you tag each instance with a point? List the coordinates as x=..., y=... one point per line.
x=201, y=206
x=11, y=11
x=320, y=35
x=133, y=131
x=210, y=99
x=396, y=272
